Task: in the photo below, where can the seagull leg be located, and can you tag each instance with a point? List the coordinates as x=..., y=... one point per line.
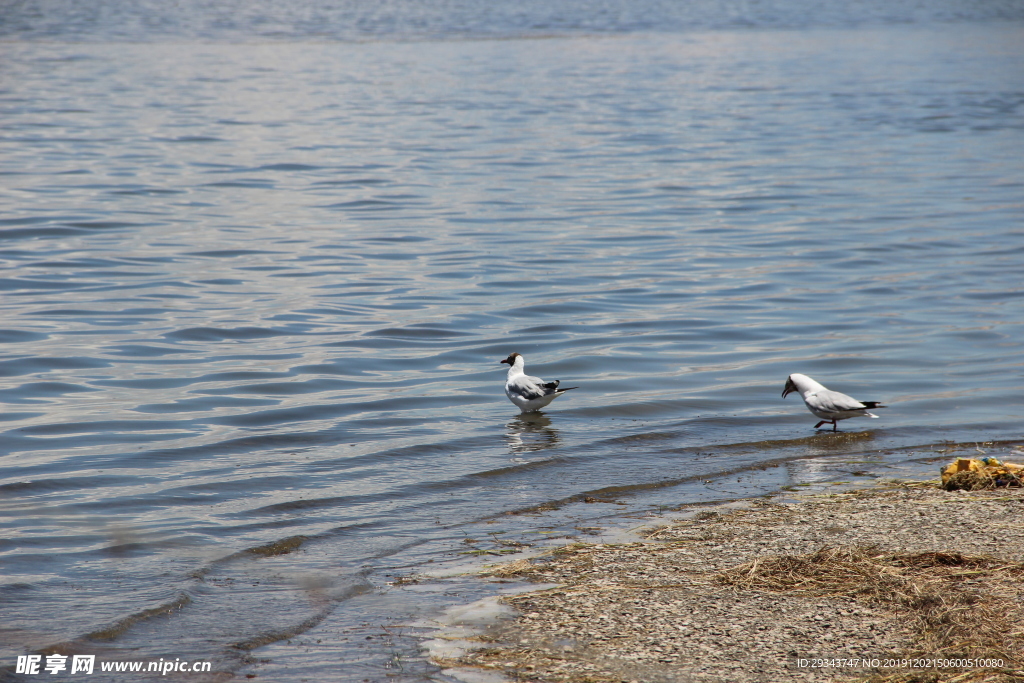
x=835, y=423
x=820, y=423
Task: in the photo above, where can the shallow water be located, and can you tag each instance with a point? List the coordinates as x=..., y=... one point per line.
x=258, y=276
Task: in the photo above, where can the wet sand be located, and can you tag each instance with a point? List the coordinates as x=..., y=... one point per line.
x=894, y=583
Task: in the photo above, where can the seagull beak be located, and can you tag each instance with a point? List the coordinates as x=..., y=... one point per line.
x=505, y=361
x=790, y=388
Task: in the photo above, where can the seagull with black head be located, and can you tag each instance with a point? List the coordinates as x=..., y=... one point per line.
x=529, y=393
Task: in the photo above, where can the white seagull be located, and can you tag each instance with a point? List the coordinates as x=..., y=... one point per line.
x=529, y=393
x=830, y=406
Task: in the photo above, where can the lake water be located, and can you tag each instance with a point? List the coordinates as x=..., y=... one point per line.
x=260, y=262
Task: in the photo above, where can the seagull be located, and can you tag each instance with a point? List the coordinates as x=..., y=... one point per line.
x=830, y=406
x=529, y=393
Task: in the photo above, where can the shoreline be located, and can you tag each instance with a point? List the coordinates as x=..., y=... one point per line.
x=842, y=586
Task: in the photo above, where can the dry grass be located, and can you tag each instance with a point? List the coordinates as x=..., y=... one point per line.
x=959, y=606
x=510, y=569
x=970, y=480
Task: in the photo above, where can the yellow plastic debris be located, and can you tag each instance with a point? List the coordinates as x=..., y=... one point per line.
x=987, y=473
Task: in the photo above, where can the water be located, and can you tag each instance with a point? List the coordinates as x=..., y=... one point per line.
x=260, y=262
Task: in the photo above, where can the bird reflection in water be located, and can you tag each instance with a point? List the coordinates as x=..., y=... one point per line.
x=530, y=432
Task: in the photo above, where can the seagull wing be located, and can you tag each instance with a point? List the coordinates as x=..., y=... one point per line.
x=836, y=402
x=529, y=388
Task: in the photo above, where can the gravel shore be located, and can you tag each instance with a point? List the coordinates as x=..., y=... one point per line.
x=816, y=588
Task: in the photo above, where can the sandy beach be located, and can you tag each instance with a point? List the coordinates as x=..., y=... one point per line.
x=898, y=583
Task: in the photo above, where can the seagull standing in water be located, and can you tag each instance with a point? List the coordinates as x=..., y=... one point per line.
x=830, y=406
x=529, y=393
